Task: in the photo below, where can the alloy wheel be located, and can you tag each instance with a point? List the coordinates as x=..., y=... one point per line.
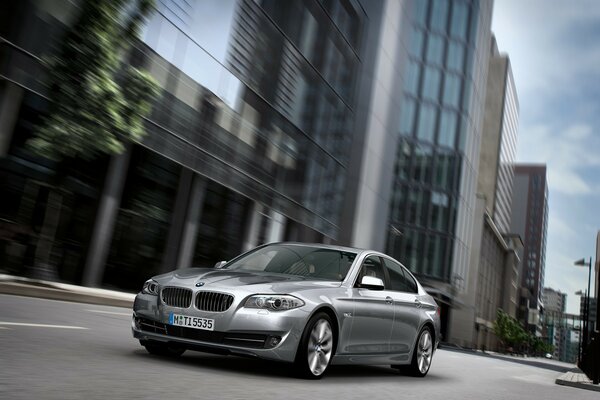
x=320, y=347
x=424, y=352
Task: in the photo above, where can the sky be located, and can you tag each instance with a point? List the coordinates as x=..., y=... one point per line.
x=554, y=49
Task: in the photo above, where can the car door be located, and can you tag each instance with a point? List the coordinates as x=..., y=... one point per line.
x=407, y=309
x=373, y=313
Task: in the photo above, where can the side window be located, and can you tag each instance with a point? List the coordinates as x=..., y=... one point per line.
x=400, y=280
x=371, y=267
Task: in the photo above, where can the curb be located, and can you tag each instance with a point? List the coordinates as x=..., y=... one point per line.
x=19, y=286
x=577, y=379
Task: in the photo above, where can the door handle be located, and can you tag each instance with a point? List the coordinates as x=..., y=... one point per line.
x=417, y=303
x=389, y=300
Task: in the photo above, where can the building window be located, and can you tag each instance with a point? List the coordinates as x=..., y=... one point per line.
x=420, y=11
x=423, y=160
x=431, y=83
x=427, y=116
x=417, y=40
x=407, y=116
x=435, y=50
x=456, y=56
x=411, y=82
x=439, y=15
x=403, y=162
x=447, y=128
x=460, y=20
x=452, y=90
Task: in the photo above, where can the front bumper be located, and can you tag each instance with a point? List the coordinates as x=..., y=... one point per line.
x=239, y=331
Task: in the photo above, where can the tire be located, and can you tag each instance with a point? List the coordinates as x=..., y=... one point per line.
x=316, y=347
x=162, y=349
x=422, y=354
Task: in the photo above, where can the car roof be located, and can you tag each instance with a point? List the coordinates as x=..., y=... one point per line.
x=356, y=250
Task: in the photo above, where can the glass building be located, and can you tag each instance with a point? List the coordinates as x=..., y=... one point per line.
x=439, y=126
x=249, y=141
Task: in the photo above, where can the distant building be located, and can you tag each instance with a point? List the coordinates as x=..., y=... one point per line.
x=554, y=300
x=554, y=309
x=530, y=220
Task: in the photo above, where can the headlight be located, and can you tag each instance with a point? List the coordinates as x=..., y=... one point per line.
x=274, y=303
x=150, y=287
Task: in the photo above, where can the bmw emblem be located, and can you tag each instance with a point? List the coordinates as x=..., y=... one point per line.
x=199, y=284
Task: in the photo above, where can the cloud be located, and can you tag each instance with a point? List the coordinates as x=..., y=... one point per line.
x=536, y=35
x=567, y=153
x=559, y=227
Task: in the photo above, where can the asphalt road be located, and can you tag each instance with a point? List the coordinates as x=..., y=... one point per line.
x=44, y=355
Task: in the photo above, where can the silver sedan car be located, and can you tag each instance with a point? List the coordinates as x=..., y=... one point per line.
x=308, y=304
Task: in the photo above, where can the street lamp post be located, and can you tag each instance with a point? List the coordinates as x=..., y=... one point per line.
x=582, y=263
x=582, y=327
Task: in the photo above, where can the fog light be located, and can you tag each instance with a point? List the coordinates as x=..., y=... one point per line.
x=273, y=341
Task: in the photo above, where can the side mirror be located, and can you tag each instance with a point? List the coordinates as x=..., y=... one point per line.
x=220, y=264
x=371, y=283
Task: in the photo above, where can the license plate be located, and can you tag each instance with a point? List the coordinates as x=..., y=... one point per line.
x=192, y=322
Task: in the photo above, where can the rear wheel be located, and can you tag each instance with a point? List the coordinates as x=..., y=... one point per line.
x=162, y=349
x=423, y=354
x=316, y=347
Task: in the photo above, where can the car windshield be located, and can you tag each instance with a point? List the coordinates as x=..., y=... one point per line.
x=305, y=261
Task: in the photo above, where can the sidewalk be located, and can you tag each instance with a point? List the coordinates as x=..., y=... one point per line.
x=577, y=379
x=20, y=286
x=571, y=375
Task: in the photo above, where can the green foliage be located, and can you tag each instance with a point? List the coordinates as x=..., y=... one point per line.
x=97, y=104
x=511, y=333
x=508, y=330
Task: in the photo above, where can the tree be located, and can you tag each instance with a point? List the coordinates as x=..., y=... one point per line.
x=508, y=330
x=97, y=102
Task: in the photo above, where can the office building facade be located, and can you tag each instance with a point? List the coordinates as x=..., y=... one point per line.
x=530, y=220
x=248, y=143
x=416, y=190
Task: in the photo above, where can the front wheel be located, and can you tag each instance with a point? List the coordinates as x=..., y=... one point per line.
x=316, y=347
x=423, y=354
x=162, y=349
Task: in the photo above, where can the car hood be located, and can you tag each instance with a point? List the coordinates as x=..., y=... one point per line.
x=258, y=282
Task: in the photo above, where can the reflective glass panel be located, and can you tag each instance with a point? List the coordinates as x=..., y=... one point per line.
x=426, y=128
x=460, y=20
x=439, y=15
x=431, y=83
x=452, y=90
x=411, y=81
x=447, y=128
x=407, y=116
x=417, y=38
x=455, y=56
x=435, y=50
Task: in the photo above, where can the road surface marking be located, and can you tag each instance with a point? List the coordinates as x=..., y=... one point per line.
x=40, y=325
x=110, y=312
x=2, y=327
